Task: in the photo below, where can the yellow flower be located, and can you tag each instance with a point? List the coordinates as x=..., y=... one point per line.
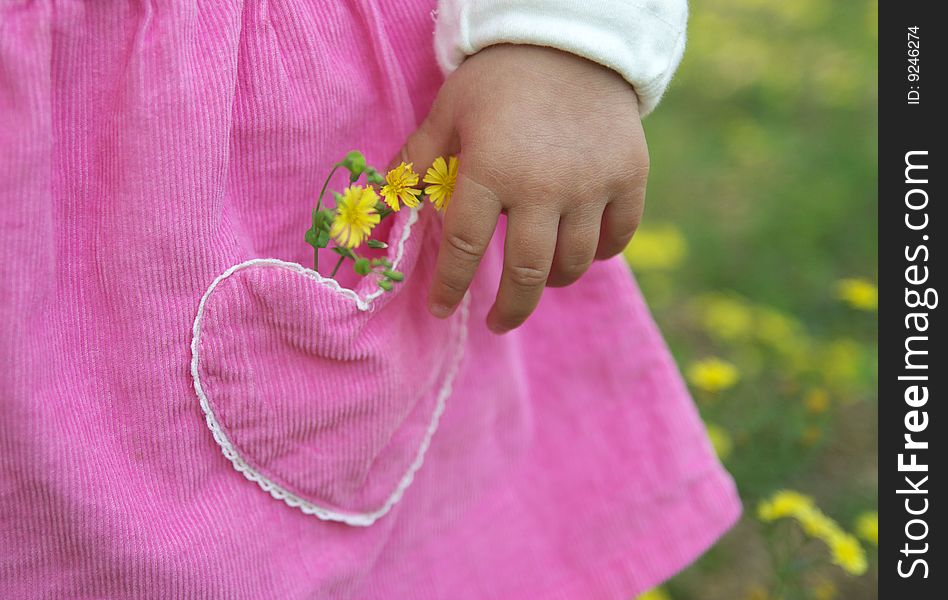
x=785, y=335
x=355, y=216
x=811, y=436
x=727, y=318
x=858, y=293
x=713, y=374
x=785, y=503
x=720, y=440
x=654, y=594
x=656, y=248
x=442, y=177
x=867, y=526
x=757, y=592
x=845, y=549
x=824, y=589
x=840, y=362
x=818, y=525
x=816, y=401
x=848, y=554
x=399, y=187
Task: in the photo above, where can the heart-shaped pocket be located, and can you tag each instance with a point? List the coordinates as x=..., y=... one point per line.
x=324, y=396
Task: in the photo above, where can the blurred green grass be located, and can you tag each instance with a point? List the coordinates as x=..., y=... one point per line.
x=762, y=198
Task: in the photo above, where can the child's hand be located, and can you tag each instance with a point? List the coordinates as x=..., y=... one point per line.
x=550, y=139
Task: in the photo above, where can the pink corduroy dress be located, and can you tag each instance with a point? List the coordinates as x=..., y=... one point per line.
x=189, y=411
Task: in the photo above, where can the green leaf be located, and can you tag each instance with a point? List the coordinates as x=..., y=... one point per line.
x=326, y=219
x=312, y=238
x=322, y=239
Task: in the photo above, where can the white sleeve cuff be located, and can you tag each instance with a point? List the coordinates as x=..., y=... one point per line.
x=642, y=41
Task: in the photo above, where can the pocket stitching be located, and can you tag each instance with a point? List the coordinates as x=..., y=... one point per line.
x=277, y=491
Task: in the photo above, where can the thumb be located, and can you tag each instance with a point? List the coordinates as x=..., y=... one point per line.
x=435, y=137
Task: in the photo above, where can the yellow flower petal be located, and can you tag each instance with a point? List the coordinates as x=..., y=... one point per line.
x=442, y=176
x=399, y=187
x=355, y=216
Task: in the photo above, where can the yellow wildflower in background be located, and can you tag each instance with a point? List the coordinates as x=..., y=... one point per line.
x=811, y=435
x=656, y=248
x=867, y=527
x=355, y=216
x=816, y=401
x=844, y=548
x=720, y=440
x=713, y=375
x=442, y=176
x=840, y=363
x=785, y=503
x=818, y=525
x=727, y=318
x=824, y=589
x=654, y=594
x=757, y=592
x=858, y=293
x=848, y=554
x=786, y=336
x=399, y=187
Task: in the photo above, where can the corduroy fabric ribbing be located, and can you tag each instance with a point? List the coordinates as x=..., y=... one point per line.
x=145, y=149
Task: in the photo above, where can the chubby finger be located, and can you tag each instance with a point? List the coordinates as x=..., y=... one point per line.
x=434, y=137
x=469, y=223
x=620, y=219
x=528, y=256
x=576, y=244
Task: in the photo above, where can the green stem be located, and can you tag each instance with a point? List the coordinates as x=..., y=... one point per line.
x=319, y=204
x=322, y=192
x=336, y=268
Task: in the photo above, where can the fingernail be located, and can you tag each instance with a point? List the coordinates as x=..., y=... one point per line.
x=402, y=157
x=495, y=326
x=440, y=310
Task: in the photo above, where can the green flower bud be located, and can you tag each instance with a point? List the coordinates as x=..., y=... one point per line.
x=377, y=244
x=374, y=176
x=394, y=275
x=362, y=266
x=385, y=284
x=355, y=162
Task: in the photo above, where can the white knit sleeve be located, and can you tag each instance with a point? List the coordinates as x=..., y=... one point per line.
x=643, y=40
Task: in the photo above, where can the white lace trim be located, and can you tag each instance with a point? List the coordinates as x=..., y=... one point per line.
x=275, y=490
